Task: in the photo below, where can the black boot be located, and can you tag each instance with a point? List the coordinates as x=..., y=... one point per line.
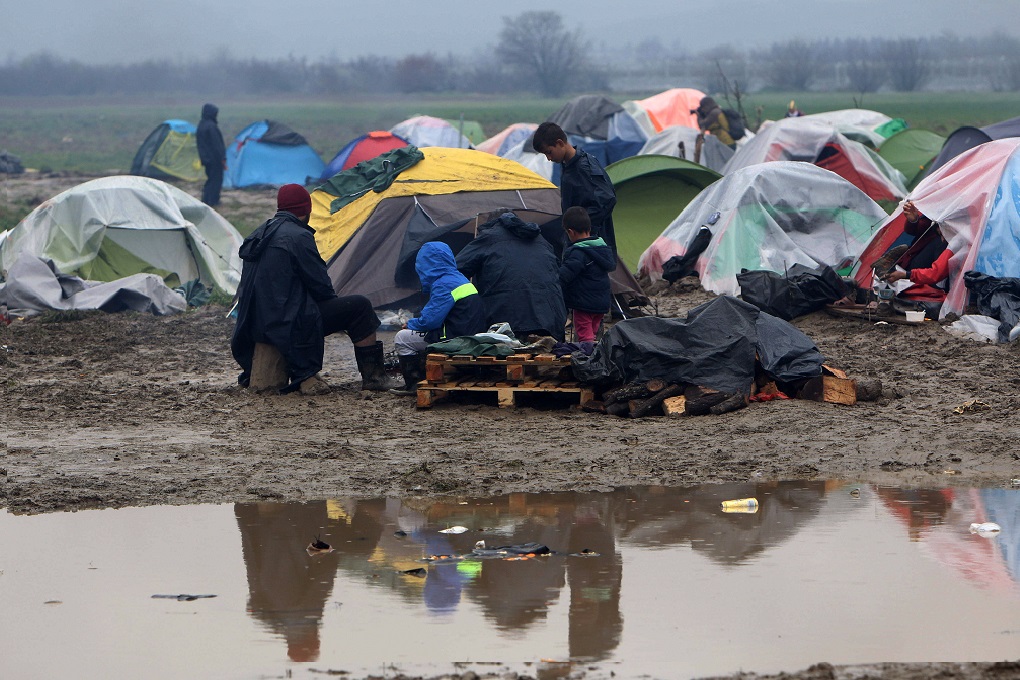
x=410, y=368
x=370, y=365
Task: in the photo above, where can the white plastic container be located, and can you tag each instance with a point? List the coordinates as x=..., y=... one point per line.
x=915, y=317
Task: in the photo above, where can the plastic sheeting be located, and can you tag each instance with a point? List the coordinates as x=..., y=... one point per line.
x=800, y=292
x=714, y=154
x=125, y=225
x=856, y=124
x=999, y=299
x=423, y=131
x=508, y=137
x=34, y=285
x=715, y=346
x=673, y=107
x=772, y=217
x=805, y=139
x=975, y=198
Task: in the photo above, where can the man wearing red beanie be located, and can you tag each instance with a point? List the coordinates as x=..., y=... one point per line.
x=286, y=299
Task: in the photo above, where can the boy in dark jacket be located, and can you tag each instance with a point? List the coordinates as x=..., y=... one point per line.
x=454, y=308
x=584, y=274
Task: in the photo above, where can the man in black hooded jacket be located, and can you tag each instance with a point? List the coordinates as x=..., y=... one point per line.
x=213, y=154
x=286, y=299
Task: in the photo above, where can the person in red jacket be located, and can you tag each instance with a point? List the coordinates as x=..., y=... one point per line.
x=926, y=261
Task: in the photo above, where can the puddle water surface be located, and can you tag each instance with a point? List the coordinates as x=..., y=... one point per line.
x=823, y=571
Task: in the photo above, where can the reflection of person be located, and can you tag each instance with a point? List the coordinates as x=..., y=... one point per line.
x=454, y=308
x=286, y=299
x=584, y=274
x=584, y=182
x=517, y=276
x=212, y=153
x=926, y=260
x=711, y=119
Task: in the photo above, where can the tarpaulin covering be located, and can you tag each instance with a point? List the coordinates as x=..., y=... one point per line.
x=677, y=140
x=423, y=131
x=505, y=139
x=975, y=199
x=811, y=140
x=772, y=216
x=715, y=346
x=861, y=125
x=800, y=292
x=673, y=107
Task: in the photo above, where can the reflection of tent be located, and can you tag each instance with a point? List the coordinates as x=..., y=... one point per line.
x=267, y=152
x=817, y=142
x=974, y=200
x=364, y=240
x=968, y=137
x=771, y=217
x=677, y=140
x=169, y=152
x=601, y=127
x=673, y=107
x=651, y=191
x=423, y=131
x=362, y=149
x=861, y=125
x=911, y=152
x=113, y=227
x=507, y=138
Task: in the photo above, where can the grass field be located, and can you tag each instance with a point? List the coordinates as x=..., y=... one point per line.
x=94, y=137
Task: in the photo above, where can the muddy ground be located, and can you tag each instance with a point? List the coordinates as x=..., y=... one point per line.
x=129, y=409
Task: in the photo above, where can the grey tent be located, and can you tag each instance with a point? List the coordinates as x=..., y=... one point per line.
x=967, y=137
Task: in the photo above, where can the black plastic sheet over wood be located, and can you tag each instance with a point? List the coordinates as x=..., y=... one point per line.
x=715, y=346
x=800, y=292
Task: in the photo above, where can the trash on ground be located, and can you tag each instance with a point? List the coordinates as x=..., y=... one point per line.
x=183, y=597
x=972, y=405
x=985, y=529
x=748, y=505
x=453, y=530
x=318, y=547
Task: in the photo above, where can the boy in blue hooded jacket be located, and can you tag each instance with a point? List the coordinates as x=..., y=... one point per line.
x=584, y=274
x=454, y=308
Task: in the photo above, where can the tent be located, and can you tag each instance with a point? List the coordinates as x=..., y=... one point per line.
x=714, y=154
x=507, y=138
x=270, y=153
x=601, y=127
x=973, y=197
x=673, y=107
x=868, y=127
x=911, y=152
x=471, y=129
x=424, y=131
x=361, y=149
x=641, y=116
x=651, y=190
x=769, y=217
x=169, y=152
x=112, y=227
x=524, y=153
x=814, y=141
x=967, y=137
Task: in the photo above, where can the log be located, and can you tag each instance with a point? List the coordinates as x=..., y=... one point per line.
x=620, y=408
x=734, y=403
x=634, y=391
x=268, y=369
x=700, y=400
x=830, y=389
x=593, y=406
x=674, y=406
x=653, y=403
x=869, y=389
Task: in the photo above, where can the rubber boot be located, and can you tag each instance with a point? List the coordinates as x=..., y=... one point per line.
x=370, y=365
x=410, y=369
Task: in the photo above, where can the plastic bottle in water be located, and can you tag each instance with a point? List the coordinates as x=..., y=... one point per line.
x=748, y=505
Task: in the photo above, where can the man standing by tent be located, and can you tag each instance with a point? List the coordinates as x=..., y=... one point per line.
x=213, y=154
x=712, y=119
x=584, y=182
x=285, y=299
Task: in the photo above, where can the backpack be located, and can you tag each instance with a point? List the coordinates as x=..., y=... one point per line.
x=736, y=122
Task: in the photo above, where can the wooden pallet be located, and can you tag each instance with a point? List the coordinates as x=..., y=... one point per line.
x=516, y=368
x=506, y=392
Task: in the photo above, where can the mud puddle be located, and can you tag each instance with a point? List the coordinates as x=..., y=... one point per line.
x=643, y=580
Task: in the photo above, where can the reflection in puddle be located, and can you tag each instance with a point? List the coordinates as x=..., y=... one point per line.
x=637, y=578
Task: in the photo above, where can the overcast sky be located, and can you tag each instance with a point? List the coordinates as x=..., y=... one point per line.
x=106, y=31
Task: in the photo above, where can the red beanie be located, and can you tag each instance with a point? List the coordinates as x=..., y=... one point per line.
x=294, y=198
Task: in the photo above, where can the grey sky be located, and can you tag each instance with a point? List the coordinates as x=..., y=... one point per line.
x=104, y=31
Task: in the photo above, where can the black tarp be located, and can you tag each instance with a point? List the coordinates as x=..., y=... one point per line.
x=715, y=346
x=967, y=137
x=586, y=116
x=800, y=292
x=998, y=298
x=680, y=266
x=278, y=133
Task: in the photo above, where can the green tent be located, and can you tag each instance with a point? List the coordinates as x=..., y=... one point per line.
x=471, y=129
x=911, y=152
x=651, y=190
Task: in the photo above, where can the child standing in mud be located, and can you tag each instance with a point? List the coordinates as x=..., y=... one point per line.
x=584, y=274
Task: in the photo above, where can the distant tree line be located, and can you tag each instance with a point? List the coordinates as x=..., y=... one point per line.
x=536, y=52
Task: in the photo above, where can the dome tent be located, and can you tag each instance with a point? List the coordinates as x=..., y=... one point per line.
x=270, y=153
x=424, y=131
x=113, y=227
x=362, y=149
x=769, y=217
x=169, y=152
x=678, y=139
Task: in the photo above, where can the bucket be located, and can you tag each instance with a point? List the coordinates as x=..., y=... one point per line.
x=915, y=317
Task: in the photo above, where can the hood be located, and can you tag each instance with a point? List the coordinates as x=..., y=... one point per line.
x=209, y=112
x=599, y=251
x=515, y=225
x=257, y=242
x=706, y=105
x=434, y=260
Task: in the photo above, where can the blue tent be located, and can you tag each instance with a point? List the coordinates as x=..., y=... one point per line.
x=267, y=152
x=601, y=127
